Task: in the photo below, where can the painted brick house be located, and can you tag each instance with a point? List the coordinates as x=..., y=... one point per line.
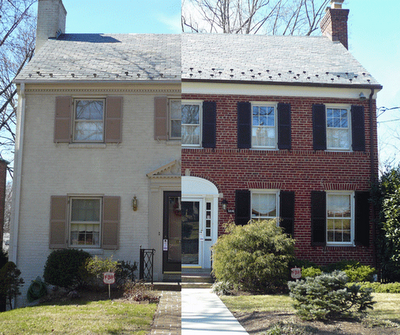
x=95, y=157
x=281, y=127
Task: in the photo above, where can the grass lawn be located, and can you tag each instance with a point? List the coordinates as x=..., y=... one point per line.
x=77, y=317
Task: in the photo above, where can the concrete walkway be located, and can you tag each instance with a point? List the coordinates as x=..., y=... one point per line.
x=203, y=313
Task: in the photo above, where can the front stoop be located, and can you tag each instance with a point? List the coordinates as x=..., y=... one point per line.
x=197, y=278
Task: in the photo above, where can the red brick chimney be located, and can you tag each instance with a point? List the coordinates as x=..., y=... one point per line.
x=334, y=23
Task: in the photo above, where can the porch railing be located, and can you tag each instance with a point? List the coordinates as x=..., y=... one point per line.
x=146, y=264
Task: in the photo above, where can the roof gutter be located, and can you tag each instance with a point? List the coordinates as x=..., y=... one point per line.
x=282, y=83
x=18, y=175
x=104, y=81
x=373, y=175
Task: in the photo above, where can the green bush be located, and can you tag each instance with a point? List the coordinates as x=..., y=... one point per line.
x=328, y=296
x=254, y=257
x=66, y=268
x=10, y=282
x=381, y=287
x=96, y=266
x=355, y=271
x=310, y=272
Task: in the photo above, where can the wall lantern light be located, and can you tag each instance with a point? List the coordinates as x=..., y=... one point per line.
x=134, y=203
x=362, y=96
x=224, y=205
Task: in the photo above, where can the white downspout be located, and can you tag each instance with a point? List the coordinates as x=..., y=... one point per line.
x=17, y=173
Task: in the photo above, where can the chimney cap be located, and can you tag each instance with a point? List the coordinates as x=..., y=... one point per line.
x=336, y=4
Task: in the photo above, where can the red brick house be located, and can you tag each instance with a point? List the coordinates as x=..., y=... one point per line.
x=280, y=127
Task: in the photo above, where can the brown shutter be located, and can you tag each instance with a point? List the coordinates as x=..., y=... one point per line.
x=111, y=217
x=58, y=222
x=62, y=124
x=113, y=120
x=160, y=118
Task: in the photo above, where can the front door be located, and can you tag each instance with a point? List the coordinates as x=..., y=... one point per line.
x=172, y=232
x=191, y=233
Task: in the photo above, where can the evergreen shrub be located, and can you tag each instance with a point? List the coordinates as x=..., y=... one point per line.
x=10, y=283
x=66, y=268
x=254, y=257
x=329, y=296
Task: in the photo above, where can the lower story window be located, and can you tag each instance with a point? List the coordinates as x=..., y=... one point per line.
x=264, y=205
x=85, y=221
x=340, y=221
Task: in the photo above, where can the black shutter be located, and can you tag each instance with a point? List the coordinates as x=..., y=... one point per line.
x=284, y=126
x=319, y=127
x=242, y=207
x=209, y=124
x=362, y=218
x=287, y=211
x=358, y=128
x=244, y=125
x=318, y=218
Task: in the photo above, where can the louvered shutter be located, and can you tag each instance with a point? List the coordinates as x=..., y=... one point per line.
x=160, y=118
x=244, y=125
x=284, y=126
x=358, y=128
x=62, y=123
x=111, y=218
x=209, y=124
x=318, y=218
x=319, y=127
x=113, y=120
x=242, y=207
x=362, y=218
x=287, y=211
x=58, y=222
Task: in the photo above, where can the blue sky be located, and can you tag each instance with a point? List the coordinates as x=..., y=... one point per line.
x=374, y=39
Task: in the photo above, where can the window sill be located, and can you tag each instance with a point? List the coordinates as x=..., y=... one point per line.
x=340, y=245
x=87, y=146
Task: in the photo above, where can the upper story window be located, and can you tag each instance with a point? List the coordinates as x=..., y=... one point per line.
x=88, y=120
x=337, y=127
x=175, y=119
x=263, y=125
x=191, y=123
x=338, y=135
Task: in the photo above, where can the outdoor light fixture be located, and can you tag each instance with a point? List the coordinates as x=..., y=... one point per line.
x=134, y=203
x=362, y=96
x=224, y=205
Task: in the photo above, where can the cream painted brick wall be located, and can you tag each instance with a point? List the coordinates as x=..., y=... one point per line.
x=56, y=169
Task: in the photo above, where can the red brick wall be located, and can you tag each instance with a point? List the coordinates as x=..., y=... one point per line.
x=300, y=169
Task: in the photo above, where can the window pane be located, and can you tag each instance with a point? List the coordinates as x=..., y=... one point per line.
x=176, y=112
x=85, y=210
x=89, y=131
x=339, y=205
x=190, y=134
x=263, y=205
x=263, y=131
x=176, y=128
x=89, y=110
x=190, y=114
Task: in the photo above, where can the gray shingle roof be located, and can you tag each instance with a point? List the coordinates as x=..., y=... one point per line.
x=198, y=57
x=274, y=59
x=94, y=57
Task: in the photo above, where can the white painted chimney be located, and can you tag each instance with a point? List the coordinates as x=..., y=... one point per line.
x=50, y=21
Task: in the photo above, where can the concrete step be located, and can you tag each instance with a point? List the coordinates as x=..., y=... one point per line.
x=166, y=286
x=196, y=285
x=196, y=278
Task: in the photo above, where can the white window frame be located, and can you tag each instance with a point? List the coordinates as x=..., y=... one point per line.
x=270, y=192
x=75, y=121
x=339, y=106
x=352, y=218
x=275, y=127
x=200, y=104
x=170, y=119
x=70, y=222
